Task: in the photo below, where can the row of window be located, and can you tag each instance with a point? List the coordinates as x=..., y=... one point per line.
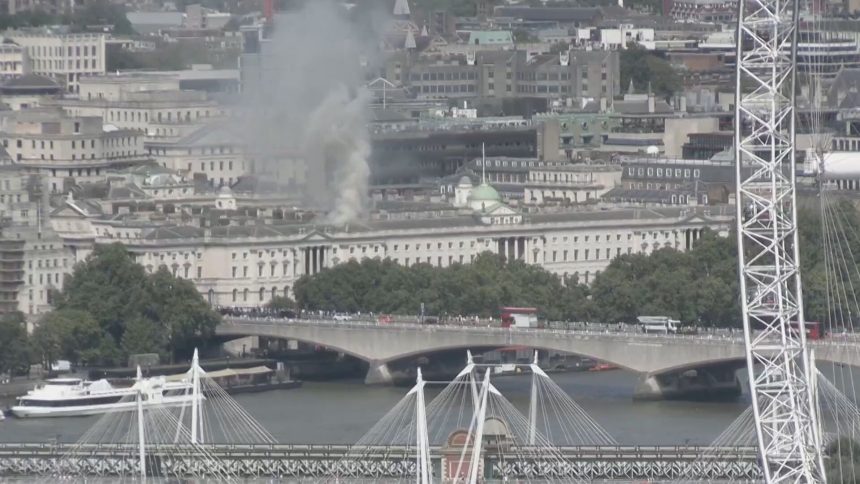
x=46, y=65
x=261, y=293
x=444, y=76
x=159, y=117
x=57, y=51
x=659, y=172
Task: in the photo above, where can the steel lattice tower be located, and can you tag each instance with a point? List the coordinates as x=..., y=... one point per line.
x=770, y=285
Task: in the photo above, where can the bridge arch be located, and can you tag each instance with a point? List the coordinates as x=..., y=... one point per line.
x=378, y=344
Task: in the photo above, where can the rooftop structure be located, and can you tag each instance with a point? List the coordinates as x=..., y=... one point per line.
x=63, y=56
x=57, y=146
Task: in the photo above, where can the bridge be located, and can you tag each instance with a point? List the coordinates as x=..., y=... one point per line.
x=662, y=360
x=381, y=463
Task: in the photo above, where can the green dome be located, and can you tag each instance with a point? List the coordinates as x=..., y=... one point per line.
x=484, y=193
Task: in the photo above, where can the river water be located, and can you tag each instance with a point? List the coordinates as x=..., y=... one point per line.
x=340, y=412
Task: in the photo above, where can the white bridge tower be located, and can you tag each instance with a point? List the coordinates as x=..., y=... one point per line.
x=777, y=358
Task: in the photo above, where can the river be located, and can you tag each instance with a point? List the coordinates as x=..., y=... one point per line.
x=340, y=412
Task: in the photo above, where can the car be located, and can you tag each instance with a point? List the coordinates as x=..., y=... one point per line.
x=342, y=317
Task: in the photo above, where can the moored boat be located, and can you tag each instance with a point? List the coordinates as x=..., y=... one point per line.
x=73, y=397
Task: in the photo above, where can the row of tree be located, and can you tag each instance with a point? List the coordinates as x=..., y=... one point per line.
x=111, y=308
x=698, y=286
x=97, y=13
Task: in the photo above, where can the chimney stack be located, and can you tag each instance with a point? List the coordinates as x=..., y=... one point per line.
x=269, y=10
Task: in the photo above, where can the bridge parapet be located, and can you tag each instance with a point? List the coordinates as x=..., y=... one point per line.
x=382, y=463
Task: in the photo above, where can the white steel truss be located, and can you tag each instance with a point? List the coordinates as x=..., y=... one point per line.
x=767, y=242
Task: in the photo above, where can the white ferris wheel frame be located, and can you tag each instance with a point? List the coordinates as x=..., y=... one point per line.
x=768, y=258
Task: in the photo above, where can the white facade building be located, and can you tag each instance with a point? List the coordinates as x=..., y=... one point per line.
x=34, y=257
x=247, y=265
x=66, y=57
x=13, y=60
x=47, y=143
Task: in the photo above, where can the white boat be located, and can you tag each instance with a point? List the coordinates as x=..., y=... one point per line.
x=72, y=397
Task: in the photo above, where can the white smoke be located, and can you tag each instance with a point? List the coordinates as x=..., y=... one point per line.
x=336, y=137
x=305, y=104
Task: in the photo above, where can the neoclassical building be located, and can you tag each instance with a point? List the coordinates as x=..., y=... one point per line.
x=246, y=263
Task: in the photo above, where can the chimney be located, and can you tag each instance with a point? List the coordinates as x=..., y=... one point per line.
x=269, y=10
x=602, y=104
x=683, y=103
x=651, y=102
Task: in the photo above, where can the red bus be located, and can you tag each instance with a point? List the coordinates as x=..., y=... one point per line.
x=519, y=317
x=814, y=331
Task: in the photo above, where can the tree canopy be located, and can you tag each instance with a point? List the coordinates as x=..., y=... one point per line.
x=100, y=12
x=383, y=286
x=646, y=69
x=110, y=308
x=13, y=343
x=698, y=286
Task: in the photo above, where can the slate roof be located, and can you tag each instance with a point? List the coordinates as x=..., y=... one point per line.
x=550, y=14
x=30, y=81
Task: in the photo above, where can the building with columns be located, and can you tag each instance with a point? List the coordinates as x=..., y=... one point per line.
x=248, y=262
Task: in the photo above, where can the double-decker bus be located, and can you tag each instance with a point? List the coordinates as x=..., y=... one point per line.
x=814, y=330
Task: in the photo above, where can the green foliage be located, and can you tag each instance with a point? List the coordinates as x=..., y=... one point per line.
x=170, y=56
x=148, y=313
x=100, y=12
x=842, y=461
x=481, y=287
x=458, y=8
x=281, y=303
x=14, y=357
x=524, y=37
x=696, y=286
x=699, y=286
x=68, y=334
x=143, y=336
x=644, y=67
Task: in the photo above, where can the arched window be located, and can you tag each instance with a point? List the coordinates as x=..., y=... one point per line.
x=235, y=294
x=262, y=293
x=245, y=295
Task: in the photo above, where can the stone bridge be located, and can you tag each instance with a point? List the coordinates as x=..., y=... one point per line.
x=663, y=361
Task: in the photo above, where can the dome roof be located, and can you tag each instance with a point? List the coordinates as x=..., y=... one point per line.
x=484, y=193
x=464, y=180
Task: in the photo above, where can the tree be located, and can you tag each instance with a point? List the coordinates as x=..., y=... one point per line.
x=115, y=292
x=110, y=286
x=68, y=334
x=280, y=303
x=176, y=304
x=842, y=465
x=646, y=69
x=14, y=357
x=143, y=336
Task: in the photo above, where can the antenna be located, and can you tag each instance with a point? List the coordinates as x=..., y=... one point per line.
x=483, y=165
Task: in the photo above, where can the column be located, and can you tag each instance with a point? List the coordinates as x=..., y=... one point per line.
x=314, y=260
x=504, y=248
x=307, y=257
x=512, y=248
x=322, y=257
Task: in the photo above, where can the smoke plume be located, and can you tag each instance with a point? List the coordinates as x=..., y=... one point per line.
x=309, y=104
x=337, y=144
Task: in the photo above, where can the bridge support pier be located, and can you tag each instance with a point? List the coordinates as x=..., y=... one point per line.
x=378, y=373
x=714, y=383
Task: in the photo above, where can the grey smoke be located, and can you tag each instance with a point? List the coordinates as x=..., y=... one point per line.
x=336, y=137
x=309, y=103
